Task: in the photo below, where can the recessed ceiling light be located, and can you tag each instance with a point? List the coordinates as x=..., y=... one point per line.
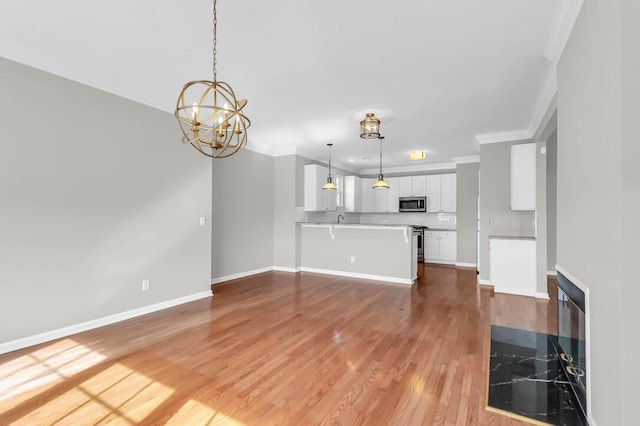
x=417, y=155
x=366, y=158
x=351, y=160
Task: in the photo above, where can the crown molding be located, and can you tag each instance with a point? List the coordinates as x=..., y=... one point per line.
x=570, y=9
x=546, y=102
x=509, y=136
x=467, y=159
x=411, y=169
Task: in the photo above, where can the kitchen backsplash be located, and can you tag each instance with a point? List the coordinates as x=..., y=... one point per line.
x=431, y=220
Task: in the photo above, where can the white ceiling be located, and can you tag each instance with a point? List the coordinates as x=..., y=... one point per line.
x=437, y=72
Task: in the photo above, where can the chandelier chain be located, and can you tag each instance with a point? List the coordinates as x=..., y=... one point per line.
x=215, y=41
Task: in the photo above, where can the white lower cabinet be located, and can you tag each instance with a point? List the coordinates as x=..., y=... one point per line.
x=440, y=247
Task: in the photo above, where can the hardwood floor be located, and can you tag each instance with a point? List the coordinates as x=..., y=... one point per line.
x=281, y=348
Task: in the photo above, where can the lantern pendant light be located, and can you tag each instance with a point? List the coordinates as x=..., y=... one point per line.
x=370, y=127
x=381, y=183
x=329, y=186
x=210, y=116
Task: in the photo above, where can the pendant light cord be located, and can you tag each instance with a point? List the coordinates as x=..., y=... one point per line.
x=215, y=40
x=380, y=156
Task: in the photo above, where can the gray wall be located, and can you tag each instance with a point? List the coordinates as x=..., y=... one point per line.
x=284, y=211
x=552, y=172
x=243, y=212
x=467, y=183
x=378, y=252
x=96, y=195
x=495, y=199
x=541, y=219
x=599, y=194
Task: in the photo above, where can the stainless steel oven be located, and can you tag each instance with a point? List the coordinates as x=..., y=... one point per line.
x=419, y=232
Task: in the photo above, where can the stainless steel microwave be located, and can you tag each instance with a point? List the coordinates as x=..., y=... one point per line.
x=412, y=204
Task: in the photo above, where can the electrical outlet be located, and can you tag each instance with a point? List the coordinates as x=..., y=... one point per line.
x=353, y=259
x=145, y=285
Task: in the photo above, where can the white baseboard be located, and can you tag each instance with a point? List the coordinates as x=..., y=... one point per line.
x=359, y=275
x=286, y=269
x=552, y=273
x=465, y=265
x=241, y=275
x=542, y=295
x=484, y=282
x=99, y=322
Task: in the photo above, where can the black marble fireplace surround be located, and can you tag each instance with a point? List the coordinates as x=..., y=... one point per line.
x=527, y=380
x=539, y=376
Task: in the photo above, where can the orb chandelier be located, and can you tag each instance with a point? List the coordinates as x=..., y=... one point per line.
x=381, y=183
x=210, y=116
x=370, y=127
x=329, y=186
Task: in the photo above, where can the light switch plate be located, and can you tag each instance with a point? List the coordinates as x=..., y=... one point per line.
x=203, y=220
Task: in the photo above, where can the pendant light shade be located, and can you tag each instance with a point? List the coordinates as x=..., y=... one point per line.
x=210, y=116
x=370, y=127
x=329, y=185
x=381, y=183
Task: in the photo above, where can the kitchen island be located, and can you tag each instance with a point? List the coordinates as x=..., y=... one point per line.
x=376, y=252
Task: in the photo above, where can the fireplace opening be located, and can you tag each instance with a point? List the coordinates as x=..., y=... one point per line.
x=572, y=337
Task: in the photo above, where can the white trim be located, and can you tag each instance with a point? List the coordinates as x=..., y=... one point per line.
x=587, y=318
x=542, y=295
x=546, y=100
x=515, y=293
x=466, y=265
x=440, y=261
x=562, y=29
x=48, y=336
x=484, y=282
x=286, y=269
x=499, y=137
x=409, y=169
x=241, y=275
x=467, y=159
x=358, y=275
x=552, y=273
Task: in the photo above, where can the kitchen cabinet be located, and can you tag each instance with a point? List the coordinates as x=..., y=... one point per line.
x=352, y=194
x=441, y=193
x=386, y=200
x=440, y=246
x=512, y=265
x=523, y=176
x=315, y=199
x=367, y=195
x=412, y=186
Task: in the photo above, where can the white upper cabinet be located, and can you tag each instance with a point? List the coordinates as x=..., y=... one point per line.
x=352, y=194
x=315, y=199
x=441, y=193
x=523, y=176
x=386, y=200
x=367, y=195
x=412, y=186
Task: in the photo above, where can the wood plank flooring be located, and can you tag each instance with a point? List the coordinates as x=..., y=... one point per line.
x=285, y=349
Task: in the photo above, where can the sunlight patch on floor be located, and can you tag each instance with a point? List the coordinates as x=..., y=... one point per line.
x=195, y=413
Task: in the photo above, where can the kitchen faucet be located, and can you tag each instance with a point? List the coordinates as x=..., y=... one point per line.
x=340, y=216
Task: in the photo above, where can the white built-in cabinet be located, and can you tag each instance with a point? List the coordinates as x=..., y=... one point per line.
x=412, y=186
x=440, y=246
x=523, y=176
x=360, y=197
x=315, y=199
x=386, y=200
x=441, y=193
x=352, y=194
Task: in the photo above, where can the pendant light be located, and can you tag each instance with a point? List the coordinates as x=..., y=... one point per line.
x=210, y=116
x=329, y=186
x=370, y=127
x=380, y=183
